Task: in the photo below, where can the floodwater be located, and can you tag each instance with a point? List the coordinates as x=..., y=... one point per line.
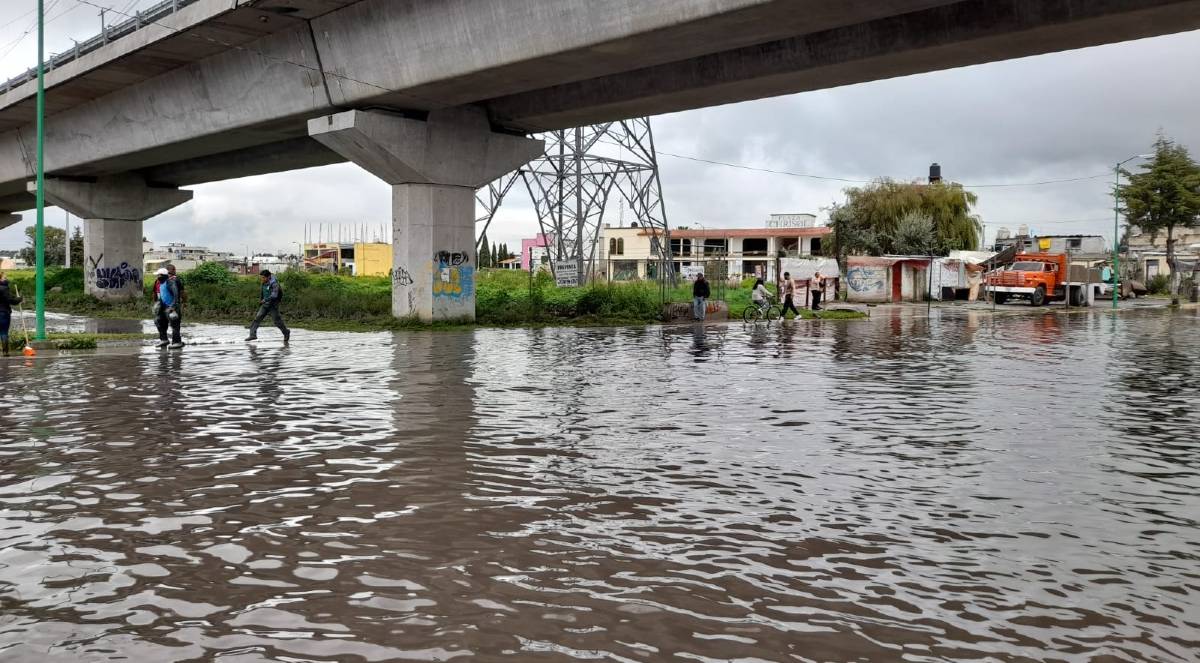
x=966, y=487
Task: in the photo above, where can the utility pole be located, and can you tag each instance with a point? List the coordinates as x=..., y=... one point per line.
x=579, y=236
x=40, y=237
x=67, y=229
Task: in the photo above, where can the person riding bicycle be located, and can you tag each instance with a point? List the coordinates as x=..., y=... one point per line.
x=760, y=295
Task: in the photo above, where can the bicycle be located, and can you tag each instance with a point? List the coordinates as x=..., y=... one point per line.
x=756, y=312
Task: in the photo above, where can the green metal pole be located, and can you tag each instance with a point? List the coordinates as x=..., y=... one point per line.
x=40, y=240
x=1116, y=231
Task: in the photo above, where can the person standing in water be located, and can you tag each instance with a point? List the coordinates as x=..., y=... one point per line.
x=818, y=284
x=700, y=295
x=166, y=313
x=272, y=296
x=7, y=299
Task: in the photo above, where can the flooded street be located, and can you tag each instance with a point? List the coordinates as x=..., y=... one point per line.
x=966, y=487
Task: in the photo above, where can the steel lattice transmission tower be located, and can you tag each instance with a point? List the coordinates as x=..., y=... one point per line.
x=573, y=182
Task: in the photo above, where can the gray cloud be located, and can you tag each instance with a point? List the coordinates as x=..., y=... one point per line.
x=1055, y=116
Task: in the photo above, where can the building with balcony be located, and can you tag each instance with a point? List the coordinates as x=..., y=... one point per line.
x=627, y=254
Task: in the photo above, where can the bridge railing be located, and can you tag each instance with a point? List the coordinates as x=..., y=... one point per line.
x=110, y=33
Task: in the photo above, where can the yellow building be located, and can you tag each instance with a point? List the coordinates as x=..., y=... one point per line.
x=361, y=258
x=372, y=259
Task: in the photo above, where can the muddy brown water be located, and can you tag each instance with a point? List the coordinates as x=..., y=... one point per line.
x=1023, y=487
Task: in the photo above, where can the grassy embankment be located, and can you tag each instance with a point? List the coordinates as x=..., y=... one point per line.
x=326, y=302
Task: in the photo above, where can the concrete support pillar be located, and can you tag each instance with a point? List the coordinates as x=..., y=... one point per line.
x=112, y=209
x=7, y=219
x=434, y=167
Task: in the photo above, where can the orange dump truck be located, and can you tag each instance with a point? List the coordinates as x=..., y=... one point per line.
x=1042, y=277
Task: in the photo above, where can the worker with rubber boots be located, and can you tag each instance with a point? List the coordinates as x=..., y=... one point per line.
x=272, y=297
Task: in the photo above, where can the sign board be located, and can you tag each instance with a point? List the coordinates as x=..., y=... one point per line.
x=566, y=273
x=803, y=269
x=791, y=221
x=690, y=273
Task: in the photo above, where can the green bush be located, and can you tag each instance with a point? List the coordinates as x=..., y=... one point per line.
x=210, y=272
x=1159, y=285
x=69, y=279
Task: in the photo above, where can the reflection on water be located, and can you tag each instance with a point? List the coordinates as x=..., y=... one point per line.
x=1010, y=488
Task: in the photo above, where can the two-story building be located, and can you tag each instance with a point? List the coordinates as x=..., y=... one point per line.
x=632, y=253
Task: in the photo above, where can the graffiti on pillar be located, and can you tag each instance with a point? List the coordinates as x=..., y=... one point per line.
x=401, y=277
x=451, y=258
x=453, y=277
x=114, y=278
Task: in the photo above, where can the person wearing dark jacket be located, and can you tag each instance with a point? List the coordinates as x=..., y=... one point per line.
x=272, y=295
x=7, y=299
x=700, y=294
x=166, y=310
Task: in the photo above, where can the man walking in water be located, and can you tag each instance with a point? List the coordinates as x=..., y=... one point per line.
x=272, y=295
x=700, y=295
x=788, y=290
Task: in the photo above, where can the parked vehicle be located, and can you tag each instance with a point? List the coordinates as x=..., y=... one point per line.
x=1044, y=277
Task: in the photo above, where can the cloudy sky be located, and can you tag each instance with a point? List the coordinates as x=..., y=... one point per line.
x=1057, y=116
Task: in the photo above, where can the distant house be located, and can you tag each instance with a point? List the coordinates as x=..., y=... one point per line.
x=1081, y=247
x=183, y=256
x=1150, y=255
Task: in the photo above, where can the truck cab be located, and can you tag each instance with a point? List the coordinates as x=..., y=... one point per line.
x=1038, y=277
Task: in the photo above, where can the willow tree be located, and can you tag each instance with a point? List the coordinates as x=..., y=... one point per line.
x=873, y=218
x=1163, y=197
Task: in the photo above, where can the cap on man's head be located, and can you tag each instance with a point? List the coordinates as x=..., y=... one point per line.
x=265, y=272
x=162, y=271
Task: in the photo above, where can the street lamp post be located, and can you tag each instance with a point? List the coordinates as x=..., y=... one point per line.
x=1116, y=221
x=40, y=228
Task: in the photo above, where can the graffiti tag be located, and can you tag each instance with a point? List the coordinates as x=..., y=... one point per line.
x=450, y=258
x=401, y=277
x=114, y=278
x=866, y=279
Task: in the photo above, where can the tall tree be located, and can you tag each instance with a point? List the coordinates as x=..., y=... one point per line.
x=870, y=220
x=504, y=254
x=56, y=243
x=914, y=233
x=1163, y=197
x=485, y=252
x=495, y=255
x=77, y=248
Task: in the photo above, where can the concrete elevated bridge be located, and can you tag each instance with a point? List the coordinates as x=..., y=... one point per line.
x=437, y=97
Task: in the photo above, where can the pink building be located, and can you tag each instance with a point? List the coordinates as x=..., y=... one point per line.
x=530, y=246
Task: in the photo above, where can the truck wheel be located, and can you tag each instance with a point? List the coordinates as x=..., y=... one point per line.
x=1000, y=297
x=1038, y=297
x=1075, y=295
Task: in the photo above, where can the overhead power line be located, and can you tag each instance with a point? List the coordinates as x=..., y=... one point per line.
x=854, y=181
